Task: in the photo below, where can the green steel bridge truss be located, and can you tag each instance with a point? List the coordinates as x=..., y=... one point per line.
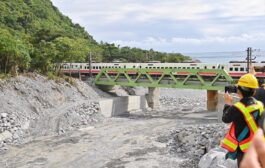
x=207, y=79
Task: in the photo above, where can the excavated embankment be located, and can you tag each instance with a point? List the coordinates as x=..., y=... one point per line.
x=31, y=105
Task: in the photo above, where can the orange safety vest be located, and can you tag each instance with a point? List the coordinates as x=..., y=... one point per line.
x=230, y=141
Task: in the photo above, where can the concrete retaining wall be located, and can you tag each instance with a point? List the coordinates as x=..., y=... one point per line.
x=120, y=105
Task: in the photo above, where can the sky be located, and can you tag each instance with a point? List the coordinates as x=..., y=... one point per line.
x=185, y=26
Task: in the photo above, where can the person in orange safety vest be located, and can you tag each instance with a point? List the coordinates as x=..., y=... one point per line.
x=243, y=117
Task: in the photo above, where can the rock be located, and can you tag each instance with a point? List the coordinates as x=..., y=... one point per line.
x=5, y=135
x=3, y=115
x=215, y=158
x=25, y=125
x=15, y=136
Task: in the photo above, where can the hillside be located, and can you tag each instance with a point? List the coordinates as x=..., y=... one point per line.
x=35, y=35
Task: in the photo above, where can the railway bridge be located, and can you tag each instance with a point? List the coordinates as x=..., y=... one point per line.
x=211, y=80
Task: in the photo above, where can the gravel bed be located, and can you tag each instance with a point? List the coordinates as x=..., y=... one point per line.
x=192, y=142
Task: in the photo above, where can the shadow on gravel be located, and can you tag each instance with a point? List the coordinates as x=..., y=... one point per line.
x=171, y=115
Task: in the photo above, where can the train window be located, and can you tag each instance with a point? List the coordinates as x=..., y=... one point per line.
x=236, y=69
x=198, y=67
x=183, y=67
x=205, y=67
x=241, y=69
x=76, y=65
x=134, y=66
x=192, y=67
x=93, y=67
x=140, y=66
x=96, y=67
x=231, y=69
x=222, y=67
x=124, y=66
x=188, y=67
x=213, y=67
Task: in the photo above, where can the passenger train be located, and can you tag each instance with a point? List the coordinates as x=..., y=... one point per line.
x=234, y=68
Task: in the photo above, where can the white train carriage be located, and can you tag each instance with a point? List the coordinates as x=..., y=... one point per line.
x=235, y=69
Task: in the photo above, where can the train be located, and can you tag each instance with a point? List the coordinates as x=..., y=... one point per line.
x=234, y=68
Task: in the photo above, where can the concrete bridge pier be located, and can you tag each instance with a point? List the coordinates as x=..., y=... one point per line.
x=153, y=97
x=212, y=100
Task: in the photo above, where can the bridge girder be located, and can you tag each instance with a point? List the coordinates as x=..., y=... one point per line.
x=207, y=79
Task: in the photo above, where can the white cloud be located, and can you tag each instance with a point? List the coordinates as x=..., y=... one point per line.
x=117, y=10
x=169, y=23
x=242, y=8
x=175, y=42
x=169, y=10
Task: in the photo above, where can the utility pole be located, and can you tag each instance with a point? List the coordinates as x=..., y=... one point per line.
x=249, y=52
x=249, y=57
x=90, y=65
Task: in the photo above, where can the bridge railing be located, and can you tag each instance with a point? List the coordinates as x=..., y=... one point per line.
x=207, y=79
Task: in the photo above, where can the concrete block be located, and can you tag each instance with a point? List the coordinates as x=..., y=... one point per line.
x=121, y=105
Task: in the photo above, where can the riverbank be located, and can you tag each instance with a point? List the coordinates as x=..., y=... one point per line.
x=60, y=125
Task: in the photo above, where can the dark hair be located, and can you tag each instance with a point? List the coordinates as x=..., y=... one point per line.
x=246, y=92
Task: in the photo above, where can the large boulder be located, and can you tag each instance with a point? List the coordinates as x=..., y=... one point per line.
x=215, y=158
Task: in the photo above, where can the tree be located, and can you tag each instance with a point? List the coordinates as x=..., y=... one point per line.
x=14, y=52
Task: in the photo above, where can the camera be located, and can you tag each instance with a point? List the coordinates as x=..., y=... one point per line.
x=231, y=89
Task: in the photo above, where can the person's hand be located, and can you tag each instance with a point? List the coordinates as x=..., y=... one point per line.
x=228, y=98
x=255, y=156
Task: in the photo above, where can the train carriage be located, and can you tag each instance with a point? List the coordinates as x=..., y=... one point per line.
x=234, y=68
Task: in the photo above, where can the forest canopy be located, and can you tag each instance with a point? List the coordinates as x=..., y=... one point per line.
x=35, y=35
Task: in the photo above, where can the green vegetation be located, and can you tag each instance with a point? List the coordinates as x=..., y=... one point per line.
x=35, y=36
